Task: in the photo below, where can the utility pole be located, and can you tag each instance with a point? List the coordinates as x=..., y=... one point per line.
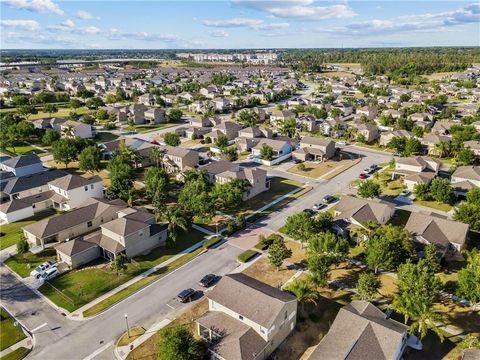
x=128, y=328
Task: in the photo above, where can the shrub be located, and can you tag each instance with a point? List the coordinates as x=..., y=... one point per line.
x=265, y=242
x=208, y=140
x=22, y=246
x=211, y=242
x=301, y=167
x=246, y=255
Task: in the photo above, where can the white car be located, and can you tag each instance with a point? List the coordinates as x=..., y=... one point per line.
x=50, y=273
x=341, y=143
x=405, y=193
x=40, y=269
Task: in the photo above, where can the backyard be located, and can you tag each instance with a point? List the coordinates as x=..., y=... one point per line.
x=10, y=333
x=22, y=149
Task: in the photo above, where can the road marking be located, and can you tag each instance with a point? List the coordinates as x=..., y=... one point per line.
x=39, y=327
x=170, y=306
x=99, y=351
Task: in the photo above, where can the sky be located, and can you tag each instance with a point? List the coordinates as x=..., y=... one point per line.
x=230, y=24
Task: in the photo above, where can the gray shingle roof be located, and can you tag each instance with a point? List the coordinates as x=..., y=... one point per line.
x=20, y=161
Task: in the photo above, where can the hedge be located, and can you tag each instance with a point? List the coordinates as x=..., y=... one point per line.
x=211, y=242
x=246, y=255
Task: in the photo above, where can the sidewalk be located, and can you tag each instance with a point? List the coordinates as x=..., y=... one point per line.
x=7, y=252
x=25, y=343
x=78, y=314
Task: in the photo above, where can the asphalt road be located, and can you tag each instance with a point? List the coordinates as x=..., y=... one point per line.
x=58, y=338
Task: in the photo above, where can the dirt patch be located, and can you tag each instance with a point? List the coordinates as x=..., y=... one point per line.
x=298, y=254
x=264, y=272
x=248, y=238
x=315, y=169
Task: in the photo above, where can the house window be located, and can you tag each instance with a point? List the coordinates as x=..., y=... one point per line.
x=240, y=317
x=33, y=206
x=140, y=233
x=91, y=186
x=86, y=188
x=286, y=315
x=89, y=224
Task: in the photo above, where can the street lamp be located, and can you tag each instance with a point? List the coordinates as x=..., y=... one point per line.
x=128, y=328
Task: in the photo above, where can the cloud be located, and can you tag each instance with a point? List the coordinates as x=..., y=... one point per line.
x=38, y=38
x=41, y=6
x=30, y=25
x=219, y=33
x=412, y=23
x=298, y=9
x=170, y=39
x=254, y=24
x=85, y=15
x=70, y=26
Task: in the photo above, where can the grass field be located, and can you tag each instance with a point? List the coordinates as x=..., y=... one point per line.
x=13, y=232
x=17, y=354
x=10, y=333
x=74, y=289
x=434, y=205
x=315, y=170
x=23, y=149
x=23, y=264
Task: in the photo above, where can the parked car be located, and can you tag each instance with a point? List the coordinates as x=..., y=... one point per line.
x=40, y=269
x=397, y=154
x=341, y=143
x=405, y=193
x=50, y=273
x=319, y=206
x=329, y=199
x=310, y=211
x=207, y=280
x=186, y=295
x=362, y=176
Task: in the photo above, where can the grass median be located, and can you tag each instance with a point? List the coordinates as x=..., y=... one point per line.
x=119, y=296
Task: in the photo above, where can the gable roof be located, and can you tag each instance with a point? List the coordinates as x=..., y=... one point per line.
x=312, y=140
x=21, y=161
x=18, y=184
x=468, y=172
x=235, y=292
x=70, y=181
x=361, y=210
x=361, y=331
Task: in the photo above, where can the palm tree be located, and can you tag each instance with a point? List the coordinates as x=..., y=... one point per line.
x=427, y=320
x=442, y=148
x=176, y=219
x=156, y=154
x=69, y=131
x=304, y=291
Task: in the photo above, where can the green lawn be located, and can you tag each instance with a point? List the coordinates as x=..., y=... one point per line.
x=13, y=231
x=147, y=128
x=10, y=333
x=61, y=113
x=17, y=354
x=400, y=217
x=22, y=149
x=433, y=204
x=74, y=289
x=388, y=186
x=23, y=264
x=278, y=187
x=104, y=136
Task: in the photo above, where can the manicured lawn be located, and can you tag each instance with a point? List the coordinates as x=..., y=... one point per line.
x=23, y=264
x=341, y=169
x=105, y=136
x=388, y=186
x=278, y=187
x=147, y=128
x=13, y=231
x=315, y=170
x=400, y=217
x=135, y=332
x=433, y=204
x=10, y=333
x=17, y=354
x=21, y=150
x=77, y=288
x=61, y=113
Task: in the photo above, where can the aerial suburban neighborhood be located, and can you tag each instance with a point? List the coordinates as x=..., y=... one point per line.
x=265, y=202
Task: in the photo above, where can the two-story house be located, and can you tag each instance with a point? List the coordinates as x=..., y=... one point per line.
x=315, y=149
x=22, y=165
x=465, y=178
x=72, y=190
x=281, y=150
x=236, y=327
x=415, y=170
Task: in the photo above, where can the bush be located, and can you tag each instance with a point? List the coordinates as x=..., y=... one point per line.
x=301, y=167
x=265, y=242
x=208, y=140
x=212, y=242
x=22, y=246
x=246, y=255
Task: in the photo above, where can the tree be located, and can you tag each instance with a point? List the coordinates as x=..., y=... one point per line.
x=157, y=182
x=172, y=139
x=412, y=146
x=323, y=222
x=50, y=109
x=222, y=141
x=304, y=290
x=121, y=178
x=361, y=138
x=469, y=212
x=247, y=118
x=174, y=115
x=328, y=244
x=27, y=110
x=421, y=191
x=75, y=103
x=178, y=343
x=418, y=289
x=288, y=127
x=119, y=264
x=89, y=159
x=369, y=189
x=469, y=279
x=84, y=94
x=94, y=103
x=110, y=98
x=22, y=246
x=442, y=191
x=388, y=248
x=266, y=152
x=50, y=137
x=102, y=114
x=470, y=341
x=418, y=131
x=319, y=266
x=431, y=258
x=157, y=155
x=176, y=219
x=367, y=286
x=229, y=196
x=465, y=157
x=24, y=130
x=196, y=198
x=278, y=253
x=299, y=226
x=64, y=151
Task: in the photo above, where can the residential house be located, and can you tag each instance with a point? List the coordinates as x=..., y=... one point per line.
x=432, y=141
x=237, y=328
x=22, y=165
x=352, y=212
x=229, y=129
x=369, y=131
x=362, y=331
x=281, y=150
x=443, y=127
x=465, y=178
x=146, y=99
x=370, y=112
x=281, y=115
x=387, y=136
x=154, y=116
x=314, y=148
x=473, y=145
x=308, y=123
x=132, y=233
x=70, y=191
x=71, y=129
x=447, y=235
x=415, y=170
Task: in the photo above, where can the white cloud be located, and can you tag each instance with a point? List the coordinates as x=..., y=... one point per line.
x=219, y=33
x=299, y=9
x=70, y=26
x=85, y=15
x=42, y=6
x=38, y=38
x=30, y=25
x=255, y=24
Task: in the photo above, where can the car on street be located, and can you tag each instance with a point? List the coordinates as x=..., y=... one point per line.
x=40, y=269
x=397, y=154
x=186, y=295
x=207, y=280
x=319, y=206
x=362, y=176
x=50, y=273
x=329, y=199
x=310, y=212
x=341, y=143
x=405, y=193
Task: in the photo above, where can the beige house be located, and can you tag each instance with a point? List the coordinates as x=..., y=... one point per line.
x=247, y=319
x=314, y=148
x=473, y=145
x=465, y=178
x=447, y=235
x=229, y=129
x=281, y=115
x=369, y=131
x=362, y=331
x=430, y=141
x=415, y=170
x=387, y=136
x=132, y=233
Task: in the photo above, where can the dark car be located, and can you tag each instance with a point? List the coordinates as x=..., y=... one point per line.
x=186, y=295
x=329, y=199
x=208, y=280
x=310, y=212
